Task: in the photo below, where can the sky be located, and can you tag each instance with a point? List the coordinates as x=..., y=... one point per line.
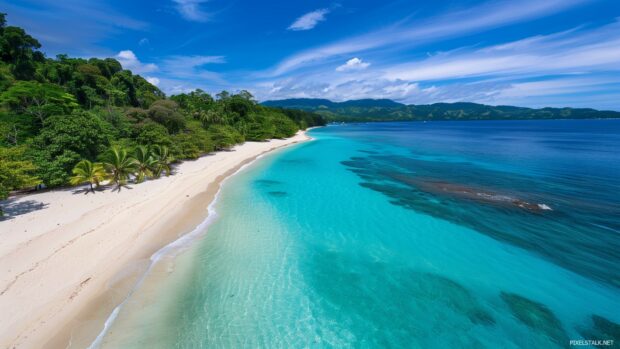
x=532, y=53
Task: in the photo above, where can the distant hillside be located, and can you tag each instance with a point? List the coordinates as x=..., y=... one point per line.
x=317, y=103
x=388, y=110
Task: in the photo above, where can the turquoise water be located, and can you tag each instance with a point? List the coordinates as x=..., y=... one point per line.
x=403, y=235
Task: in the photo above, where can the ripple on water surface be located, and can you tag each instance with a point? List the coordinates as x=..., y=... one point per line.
x=404, y=236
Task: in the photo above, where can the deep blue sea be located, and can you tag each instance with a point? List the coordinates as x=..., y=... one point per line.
x=480, y=234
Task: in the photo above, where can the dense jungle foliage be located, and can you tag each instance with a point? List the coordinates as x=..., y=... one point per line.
x=57, y=112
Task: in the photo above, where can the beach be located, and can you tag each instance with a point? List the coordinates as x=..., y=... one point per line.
x=70, y=257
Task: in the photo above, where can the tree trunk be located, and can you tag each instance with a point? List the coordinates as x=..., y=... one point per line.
x=15, y=136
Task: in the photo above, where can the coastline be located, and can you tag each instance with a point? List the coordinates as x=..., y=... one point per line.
x=68, y=264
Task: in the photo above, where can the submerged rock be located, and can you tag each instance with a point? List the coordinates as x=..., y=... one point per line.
x=536, y=316
x=278, y=193
x=602, y=329
x=477, y=194
x=368, y=151
x=608, y=328
x=456, y=296
x=382, y=304
x=267, y=182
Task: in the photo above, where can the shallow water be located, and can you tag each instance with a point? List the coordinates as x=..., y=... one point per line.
x=402, y=235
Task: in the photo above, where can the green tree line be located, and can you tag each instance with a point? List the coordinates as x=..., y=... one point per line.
x=62, y=115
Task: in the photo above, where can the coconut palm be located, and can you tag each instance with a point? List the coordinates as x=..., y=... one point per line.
x=145, y=163
x=88, y=172
x=212, y=116
x=120, y=166
x=163, y=160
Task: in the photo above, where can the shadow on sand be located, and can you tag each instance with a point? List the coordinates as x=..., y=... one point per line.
x=86, y=190
x=13, y=207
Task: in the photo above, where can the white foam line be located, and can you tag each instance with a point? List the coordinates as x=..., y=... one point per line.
x=176, y=244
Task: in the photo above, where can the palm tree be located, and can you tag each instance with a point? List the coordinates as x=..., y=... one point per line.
x=163, y=160
x=145, y=162
x=120, y=166
x=88, y=172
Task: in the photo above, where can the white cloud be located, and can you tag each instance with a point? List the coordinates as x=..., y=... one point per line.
x=337, y=90
x=191, y=67
x=184, y=62
x=175, y=87
x=185, y=73
x=309, y=20
x=153, y=80
x=143, y=42
x=454, y=24
x=557, y=92
x=567, y=52
x=129, y=61
x=353, y=64
x=190, y=10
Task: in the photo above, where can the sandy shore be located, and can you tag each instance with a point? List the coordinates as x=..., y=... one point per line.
x=69, y=258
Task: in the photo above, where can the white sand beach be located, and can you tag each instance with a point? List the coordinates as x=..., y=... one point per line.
x=68, y=258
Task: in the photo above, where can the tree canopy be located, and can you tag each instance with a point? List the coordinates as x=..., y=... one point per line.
x=58, y=112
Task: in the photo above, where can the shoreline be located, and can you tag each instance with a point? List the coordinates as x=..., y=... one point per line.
x=178, y=246
x=61, y=282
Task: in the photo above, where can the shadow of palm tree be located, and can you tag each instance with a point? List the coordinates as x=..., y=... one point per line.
x=86, y=190
x=118, y=187
x=13, y=208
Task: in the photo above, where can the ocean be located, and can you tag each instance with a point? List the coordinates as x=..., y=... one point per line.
x=480, y=234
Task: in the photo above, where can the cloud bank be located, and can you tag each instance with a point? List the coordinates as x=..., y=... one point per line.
x=453, y=24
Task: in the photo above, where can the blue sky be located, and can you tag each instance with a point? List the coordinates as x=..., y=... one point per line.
x=529, y=53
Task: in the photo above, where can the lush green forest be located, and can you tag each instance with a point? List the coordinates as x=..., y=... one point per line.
x=56, y=113
x=388, y=110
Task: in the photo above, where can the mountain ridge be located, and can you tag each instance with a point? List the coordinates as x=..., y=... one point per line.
x=389, y=110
